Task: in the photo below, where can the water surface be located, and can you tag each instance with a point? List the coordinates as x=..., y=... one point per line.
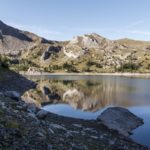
x=87, y=96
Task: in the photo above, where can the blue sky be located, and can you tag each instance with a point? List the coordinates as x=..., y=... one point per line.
x=63, y=19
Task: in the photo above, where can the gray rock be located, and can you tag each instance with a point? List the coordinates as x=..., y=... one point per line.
x=32, y=115
x=1, y=94
x=120, y=119
x=57, y=126
x=12, y=94
x=42, y=114
x=51, y=131
x=31, y=108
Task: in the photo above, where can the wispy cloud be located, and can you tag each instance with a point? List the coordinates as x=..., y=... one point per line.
x=136, y=23
x=139, y=32
x=135, y=28
x=131, y=29
x=41, y=31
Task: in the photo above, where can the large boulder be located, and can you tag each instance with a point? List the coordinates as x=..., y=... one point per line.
x=120, y=119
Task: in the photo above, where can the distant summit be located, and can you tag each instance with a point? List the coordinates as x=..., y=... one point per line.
x=91, y=41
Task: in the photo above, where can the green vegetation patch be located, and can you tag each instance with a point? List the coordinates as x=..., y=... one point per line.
x=13, y=124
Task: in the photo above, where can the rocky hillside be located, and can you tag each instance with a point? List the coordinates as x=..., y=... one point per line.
x=85, y=53
x=13, y=41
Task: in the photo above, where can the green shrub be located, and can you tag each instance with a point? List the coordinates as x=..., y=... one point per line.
x=129, y=67
x=4, y=61
x=69, y=67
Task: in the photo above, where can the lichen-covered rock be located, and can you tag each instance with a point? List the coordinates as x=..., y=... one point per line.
x=120, y=119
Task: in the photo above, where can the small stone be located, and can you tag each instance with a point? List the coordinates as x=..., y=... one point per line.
x=77, y=125
x=51, y=131
x=31, y=108
x=31, y=115
x=40, y=134
x=94, y=137
x=1, y=94
x=57, y=126
x=42, y=114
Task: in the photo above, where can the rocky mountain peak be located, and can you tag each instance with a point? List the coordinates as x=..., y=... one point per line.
x=13, y=40
x=90, y=41
x=10, y=31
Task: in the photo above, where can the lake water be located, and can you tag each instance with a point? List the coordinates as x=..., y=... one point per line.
x=87, y=96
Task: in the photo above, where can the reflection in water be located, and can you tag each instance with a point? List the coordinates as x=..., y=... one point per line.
x=86, y=97
x=91, y=95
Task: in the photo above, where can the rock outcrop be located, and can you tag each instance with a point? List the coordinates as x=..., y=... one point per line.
x=50, y=50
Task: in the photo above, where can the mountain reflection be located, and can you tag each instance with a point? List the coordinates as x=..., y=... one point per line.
x=85, y=94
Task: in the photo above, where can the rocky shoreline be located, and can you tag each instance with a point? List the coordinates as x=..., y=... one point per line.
x=24, y=126
x=125, y=74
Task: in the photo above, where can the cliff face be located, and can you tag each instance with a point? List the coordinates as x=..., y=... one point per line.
x=85, y=53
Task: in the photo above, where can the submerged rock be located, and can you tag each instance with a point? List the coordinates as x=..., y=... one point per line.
x=120, y=119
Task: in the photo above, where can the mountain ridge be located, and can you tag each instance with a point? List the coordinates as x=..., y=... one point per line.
x=84, y=53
